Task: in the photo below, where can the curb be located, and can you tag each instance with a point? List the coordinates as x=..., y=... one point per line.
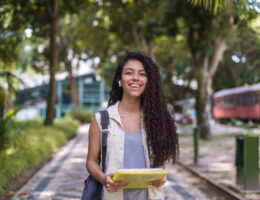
x=215, y=184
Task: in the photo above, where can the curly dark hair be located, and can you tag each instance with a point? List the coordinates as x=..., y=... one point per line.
x=162, y=138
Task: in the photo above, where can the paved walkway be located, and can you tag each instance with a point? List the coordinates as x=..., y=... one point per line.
x=63, y=177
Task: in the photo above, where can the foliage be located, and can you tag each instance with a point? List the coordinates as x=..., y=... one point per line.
x=214, y=6
x=251, y=125
x=240, y=64
x=177, y=32
x=67, y=125
x=174, y=59
x=10, y=36
x=7, y=111
x=32, y=143
x=5, y=117
x=84, y=116
x=137, y=28
x=8, y=76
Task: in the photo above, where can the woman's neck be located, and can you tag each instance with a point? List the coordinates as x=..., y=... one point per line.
x=130, y=105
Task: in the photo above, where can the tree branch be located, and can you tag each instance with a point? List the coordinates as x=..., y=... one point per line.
x=205, y=66
x=136, y=37
x=221, y=47
x=140, y=41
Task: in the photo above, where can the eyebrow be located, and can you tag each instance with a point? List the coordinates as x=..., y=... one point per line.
x=133, y=70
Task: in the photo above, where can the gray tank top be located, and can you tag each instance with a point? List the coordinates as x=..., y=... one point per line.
x=134, y=158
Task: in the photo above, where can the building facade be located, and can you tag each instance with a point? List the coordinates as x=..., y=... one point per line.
x=91, y=91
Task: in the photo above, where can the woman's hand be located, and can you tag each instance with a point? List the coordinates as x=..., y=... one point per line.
x=113, y=186
x=158, y=183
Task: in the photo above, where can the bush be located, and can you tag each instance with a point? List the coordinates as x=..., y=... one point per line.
x=67, y=125
x=31, y=143
x=84, y=116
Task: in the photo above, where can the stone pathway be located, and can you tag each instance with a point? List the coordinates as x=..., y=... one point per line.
x=63, y=177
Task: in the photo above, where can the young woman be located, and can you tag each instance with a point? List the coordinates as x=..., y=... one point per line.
x=142, y=133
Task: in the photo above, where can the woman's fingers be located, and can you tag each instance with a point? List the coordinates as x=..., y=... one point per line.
x=119, y=185
x=122, y=184
x=158, y=183
x=113, y=186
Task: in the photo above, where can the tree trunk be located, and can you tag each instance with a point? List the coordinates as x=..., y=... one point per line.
x=51, y=98
x=201, y=101
x=204, y=95
x=208, y=111
x=73, y=87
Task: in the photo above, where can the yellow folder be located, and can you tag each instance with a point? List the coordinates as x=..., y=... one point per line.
x=139, y=178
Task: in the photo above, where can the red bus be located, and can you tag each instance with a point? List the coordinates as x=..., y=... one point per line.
x=240, y=103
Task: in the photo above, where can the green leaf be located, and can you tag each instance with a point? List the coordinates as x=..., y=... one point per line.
x=216, y=7
x=12, y=112
x=213, y=6
x=7, y=117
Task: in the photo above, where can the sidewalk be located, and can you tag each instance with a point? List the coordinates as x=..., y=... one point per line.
x=63, y=177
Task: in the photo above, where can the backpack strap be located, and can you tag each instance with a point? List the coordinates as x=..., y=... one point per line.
x=104, y=124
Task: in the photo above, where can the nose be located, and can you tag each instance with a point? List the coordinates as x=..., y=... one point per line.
x=136, y=76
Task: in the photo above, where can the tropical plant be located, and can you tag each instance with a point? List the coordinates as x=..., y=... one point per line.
x=5, y=117
x=7, y=110
x=213, y=6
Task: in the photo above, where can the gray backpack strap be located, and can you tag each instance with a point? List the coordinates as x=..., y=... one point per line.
x=104, y=124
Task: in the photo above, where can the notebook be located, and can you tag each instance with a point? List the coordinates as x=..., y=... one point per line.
x=139, y=178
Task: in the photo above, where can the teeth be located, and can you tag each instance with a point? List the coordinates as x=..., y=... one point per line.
x=135, y=85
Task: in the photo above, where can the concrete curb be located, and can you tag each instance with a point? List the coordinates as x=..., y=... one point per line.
x=215, y=184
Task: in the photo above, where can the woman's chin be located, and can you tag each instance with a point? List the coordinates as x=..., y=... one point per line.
x=134, y=95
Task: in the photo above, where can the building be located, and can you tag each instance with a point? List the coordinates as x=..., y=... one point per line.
x=91, y=90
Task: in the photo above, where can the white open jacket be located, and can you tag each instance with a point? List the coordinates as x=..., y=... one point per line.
x=115, y=152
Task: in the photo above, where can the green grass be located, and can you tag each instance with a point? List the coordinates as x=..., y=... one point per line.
x=29, y=143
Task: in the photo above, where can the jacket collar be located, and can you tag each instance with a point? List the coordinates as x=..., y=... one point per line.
x=114, y=113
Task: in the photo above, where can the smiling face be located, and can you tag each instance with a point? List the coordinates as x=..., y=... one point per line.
x=133, y=79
